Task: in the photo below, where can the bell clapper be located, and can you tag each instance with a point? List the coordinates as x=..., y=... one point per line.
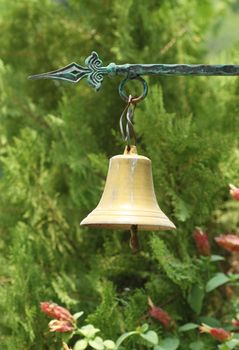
x=134, y=240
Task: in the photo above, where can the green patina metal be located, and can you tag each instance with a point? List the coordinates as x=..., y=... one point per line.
x=94, y=71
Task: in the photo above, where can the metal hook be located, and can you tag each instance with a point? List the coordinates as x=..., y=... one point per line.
x=127, y=130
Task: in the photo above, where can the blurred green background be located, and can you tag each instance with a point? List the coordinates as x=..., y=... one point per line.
x=55, y=141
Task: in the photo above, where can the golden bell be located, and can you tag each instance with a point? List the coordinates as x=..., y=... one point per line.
x=129, y=198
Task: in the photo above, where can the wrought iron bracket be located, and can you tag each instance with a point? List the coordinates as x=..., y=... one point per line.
x=94, y=71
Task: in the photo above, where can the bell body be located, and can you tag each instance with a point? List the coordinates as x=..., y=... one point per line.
x=129, y=198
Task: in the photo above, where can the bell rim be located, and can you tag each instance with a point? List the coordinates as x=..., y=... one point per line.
x=144, y=223
x=122, y=227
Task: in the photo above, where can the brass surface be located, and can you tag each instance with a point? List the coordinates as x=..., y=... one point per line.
x=129, y=198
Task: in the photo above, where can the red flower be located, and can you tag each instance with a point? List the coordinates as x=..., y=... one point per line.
x=219, y=334
x=159, y=314
x=234, y=192
x=202, y=243
x=228, y=242
x=61, y=326
x=56, y=311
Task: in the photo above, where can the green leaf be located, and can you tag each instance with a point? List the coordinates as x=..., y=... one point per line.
x=182, y=210
x=170, y=343
x=81, y=344
x=218, y=280
x=215, y=258
x=210, y=321
x=78, y=315
x=54, y=121
x=188, y=327
x=231, y=344
x=223, y=347
x=143, y=328
x=88, y=331
x=109, y=344
x=97, y=343
x=233, y=277
x=195, y=298
x=123, y=337
x=151, y=337
x=197, y=345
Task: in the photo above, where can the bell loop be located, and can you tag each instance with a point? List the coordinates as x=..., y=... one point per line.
x=130, y=149
x=135, y=99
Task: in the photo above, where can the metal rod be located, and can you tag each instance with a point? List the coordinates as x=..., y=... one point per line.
x=94, y=71
x=176, y=69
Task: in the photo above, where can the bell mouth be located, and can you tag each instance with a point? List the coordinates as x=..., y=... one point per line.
x=128, y=227
x=144, y=222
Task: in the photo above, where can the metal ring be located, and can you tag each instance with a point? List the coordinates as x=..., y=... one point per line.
x=133, y=100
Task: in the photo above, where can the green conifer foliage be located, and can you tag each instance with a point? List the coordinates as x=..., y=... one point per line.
x=55, y=141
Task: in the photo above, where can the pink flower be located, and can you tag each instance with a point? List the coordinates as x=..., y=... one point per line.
x=202, y=243
x=61, y=326
x=56, y=311
x=228, y=242
x=235, y=322
x=219, y=334
x=159, y=314
x=234, y=192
